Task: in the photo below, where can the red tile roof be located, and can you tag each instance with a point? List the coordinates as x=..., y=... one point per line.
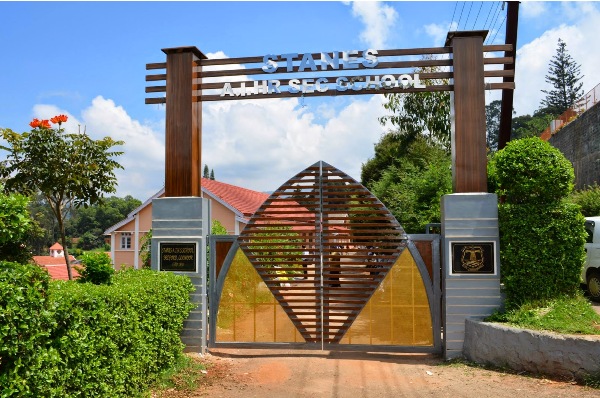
x=56, y=266
x=243, y=200
x=56, y=246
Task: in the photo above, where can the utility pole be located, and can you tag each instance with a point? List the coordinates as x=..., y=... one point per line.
x=506, y=109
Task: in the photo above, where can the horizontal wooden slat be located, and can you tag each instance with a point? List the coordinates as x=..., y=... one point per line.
x=156, y=89
x=155, y=78
x=159, y=100
x=156, y=65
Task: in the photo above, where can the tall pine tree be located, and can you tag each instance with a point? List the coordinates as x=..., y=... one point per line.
x=564, y=76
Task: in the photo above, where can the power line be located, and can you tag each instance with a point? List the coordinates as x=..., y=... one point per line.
x=499, y=27
x=477, y=17
x=452, y=20
x=490, y=12
x=495, y=21
x=459, y=18
x=469, y=14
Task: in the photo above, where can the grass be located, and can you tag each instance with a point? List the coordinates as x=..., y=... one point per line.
x=567, y=315
x=184, y=376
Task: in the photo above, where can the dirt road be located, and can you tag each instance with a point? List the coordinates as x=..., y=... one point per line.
x=291, y=374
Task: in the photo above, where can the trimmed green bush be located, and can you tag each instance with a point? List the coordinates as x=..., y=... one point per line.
x=83, y=340
x=541, y=238
x=97, y=269
x=541, y=251
x=28, y=363
x=531, y=170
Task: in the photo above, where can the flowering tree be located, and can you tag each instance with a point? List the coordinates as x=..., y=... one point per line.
x=70, y=170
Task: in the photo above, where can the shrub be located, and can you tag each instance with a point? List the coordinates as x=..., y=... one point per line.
x=27, y=360
x=531, y=170
x=97, y=269
x=15, y=227
x=542, y=250
x=541, y=238
x=67, y=339
x=588, y=199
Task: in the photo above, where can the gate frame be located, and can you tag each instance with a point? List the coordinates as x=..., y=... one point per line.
x=433, y=289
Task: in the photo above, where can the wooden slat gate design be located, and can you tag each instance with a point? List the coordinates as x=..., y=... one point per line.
x=321, y=263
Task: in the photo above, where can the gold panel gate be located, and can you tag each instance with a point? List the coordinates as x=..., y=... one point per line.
x=323, y=262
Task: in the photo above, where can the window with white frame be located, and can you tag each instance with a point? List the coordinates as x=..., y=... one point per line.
x=125, y=240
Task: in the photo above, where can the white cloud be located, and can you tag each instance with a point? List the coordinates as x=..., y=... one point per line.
x=438, y=32
x=260, y=144
x=532, y=9
x=378, y=19
x=144, y=152
x=533, y=58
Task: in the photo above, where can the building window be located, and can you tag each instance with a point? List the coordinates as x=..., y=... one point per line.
x=126, y=240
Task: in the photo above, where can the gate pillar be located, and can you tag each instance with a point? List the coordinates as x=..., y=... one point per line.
x=471, y=264
x=469, y=156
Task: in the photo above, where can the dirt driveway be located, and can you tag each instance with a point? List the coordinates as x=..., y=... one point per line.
x=291, y=374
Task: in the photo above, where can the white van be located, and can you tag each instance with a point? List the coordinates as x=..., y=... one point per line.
x=591, y=269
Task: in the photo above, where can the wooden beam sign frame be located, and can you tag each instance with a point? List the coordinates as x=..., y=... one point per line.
x=191, y=79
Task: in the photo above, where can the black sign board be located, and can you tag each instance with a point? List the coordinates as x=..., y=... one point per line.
x=177, y=256
x=472, y=257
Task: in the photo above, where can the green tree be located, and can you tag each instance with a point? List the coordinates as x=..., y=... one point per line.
x=70, y=170
x=422, y=113
x=205, y=171
x=212, y=174
x=564, y=75
x=527, y=126
x=412, y=187
x=492, y=124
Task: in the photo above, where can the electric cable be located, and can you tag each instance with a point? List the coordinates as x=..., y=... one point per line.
x=452, y=20
x=459, y=18
x=477, y=17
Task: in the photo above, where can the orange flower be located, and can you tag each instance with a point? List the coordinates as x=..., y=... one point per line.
x=44, y=124
x=59, y=119
x=35, y=123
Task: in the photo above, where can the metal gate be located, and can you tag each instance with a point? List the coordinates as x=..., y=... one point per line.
x=323, y=263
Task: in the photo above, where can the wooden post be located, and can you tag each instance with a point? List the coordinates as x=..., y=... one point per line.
x=512, y=23
x=469, y=160
x=183, y=128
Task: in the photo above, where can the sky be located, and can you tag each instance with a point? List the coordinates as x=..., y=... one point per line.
x=87, y=60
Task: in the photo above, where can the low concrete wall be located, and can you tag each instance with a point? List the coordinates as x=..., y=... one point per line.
x=532, y=351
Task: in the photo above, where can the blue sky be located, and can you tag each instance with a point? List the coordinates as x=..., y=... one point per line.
x=87, y=60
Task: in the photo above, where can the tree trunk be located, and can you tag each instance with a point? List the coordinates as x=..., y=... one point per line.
x=63, y=238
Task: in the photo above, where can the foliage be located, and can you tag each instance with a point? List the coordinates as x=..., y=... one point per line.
x=564, y=76
x=492, y=124
x=588, y=199
x=411, y=188
x=388, y=152
x=14, y=218
x=217, y=228
x=68, y=339
x=541, y=238
x=532, y=171
x=568, y=315
x=97, y=269
x=89, y=223
x=531, y=126
x=27, y=359
x=183, y=376
x=70, y=170
x=420, y=114
x=16, y=227
x=146, y=250
x=542, y=251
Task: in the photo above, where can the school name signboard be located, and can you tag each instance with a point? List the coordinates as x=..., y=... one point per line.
x=177, y=256
x=303, y=63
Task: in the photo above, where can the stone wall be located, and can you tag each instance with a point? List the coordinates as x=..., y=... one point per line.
x=579, y=141
x=548, y=353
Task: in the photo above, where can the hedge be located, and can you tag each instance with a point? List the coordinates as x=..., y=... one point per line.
x=91, y=340
x=542, y=251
